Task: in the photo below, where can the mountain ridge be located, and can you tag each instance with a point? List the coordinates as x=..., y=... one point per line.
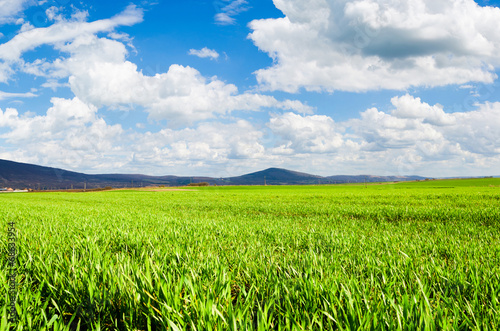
x=25, y=175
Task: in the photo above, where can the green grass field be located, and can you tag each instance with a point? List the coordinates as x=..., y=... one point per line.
x=404, y=256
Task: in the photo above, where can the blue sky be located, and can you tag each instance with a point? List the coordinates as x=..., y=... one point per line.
x=227, y=87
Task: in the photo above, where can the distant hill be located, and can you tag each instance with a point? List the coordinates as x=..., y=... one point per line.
x=20, y=175
x=274, y=176
x=23, y=175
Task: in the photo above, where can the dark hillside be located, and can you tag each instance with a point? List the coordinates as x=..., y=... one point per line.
x=22, y=175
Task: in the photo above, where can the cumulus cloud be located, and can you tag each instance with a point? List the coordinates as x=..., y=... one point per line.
x=430, y=133
x=99, y=74
x=410, y=107
x=204, y=53
x=381, y=131
x=207, y=142
x=411, y=138
x=306, y=134
x=373, y=44
x=63, y=115
x=70, y=134
x=477, y=131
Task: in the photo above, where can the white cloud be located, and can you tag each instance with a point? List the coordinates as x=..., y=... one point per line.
x=295, y=105
x=373, y=44
x=226, y=13
x=402, y=141
x=64, y=114
x=6, y=95
x=306, y=134
x=5, y=72
x=9, y=9
x=430, y=134
x=413, y=138
x=125, y=38
x=54, y=84
x=69, y=135
x=381, y=131
x=53, y=14
x=410, y=107
x=208, y=142
x=477, y=131
x=65, y=31
x=99, y=74
x=204, y=53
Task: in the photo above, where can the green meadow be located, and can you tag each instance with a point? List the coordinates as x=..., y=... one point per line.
x=404, y=256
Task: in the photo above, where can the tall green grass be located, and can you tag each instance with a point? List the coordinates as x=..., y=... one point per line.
x=394, y=257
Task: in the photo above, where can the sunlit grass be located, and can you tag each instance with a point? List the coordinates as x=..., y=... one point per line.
x=395, y=257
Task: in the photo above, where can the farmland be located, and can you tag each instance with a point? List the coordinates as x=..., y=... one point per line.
x=423, y=255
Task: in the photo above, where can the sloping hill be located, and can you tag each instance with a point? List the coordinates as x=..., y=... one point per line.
x=23, y=175
x=274, y=176
x=16, y=174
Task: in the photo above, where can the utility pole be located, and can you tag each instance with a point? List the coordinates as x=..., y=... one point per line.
x=84, y=186
x=265, y=181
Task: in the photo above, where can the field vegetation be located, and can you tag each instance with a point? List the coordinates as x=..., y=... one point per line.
x=403, y=256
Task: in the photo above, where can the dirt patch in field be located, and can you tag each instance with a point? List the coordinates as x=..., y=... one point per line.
x=152, y=189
